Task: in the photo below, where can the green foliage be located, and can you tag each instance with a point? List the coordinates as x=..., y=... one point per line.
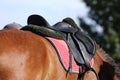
x=105, y=13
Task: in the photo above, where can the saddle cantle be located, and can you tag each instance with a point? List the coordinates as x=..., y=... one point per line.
x=81, y=46
x=37, y=20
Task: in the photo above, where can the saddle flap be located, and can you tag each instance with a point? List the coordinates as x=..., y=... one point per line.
x=83, y=49
x=79, y=48
x=87, y=41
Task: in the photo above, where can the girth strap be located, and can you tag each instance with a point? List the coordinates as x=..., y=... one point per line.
x=81, y=76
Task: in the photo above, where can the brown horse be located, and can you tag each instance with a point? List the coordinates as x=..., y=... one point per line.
x=27, y=56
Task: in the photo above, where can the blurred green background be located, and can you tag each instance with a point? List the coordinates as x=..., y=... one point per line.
x=104, y=14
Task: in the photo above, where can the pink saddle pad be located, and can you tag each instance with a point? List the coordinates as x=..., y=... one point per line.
x=63, y=52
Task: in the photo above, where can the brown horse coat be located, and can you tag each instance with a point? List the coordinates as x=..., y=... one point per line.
x=27, y=56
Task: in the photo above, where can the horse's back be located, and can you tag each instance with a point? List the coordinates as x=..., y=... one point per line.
x=27, y=56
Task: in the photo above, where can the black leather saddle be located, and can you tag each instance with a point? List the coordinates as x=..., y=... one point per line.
x=81, y=46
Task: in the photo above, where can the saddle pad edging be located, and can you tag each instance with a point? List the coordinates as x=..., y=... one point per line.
x=63, y=54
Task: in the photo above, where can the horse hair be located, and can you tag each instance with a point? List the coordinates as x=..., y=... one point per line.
x=109, y=60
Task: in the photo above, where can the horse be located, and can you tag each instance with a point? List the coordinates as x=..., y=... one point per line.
x=25, y=55
x=28, y=56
